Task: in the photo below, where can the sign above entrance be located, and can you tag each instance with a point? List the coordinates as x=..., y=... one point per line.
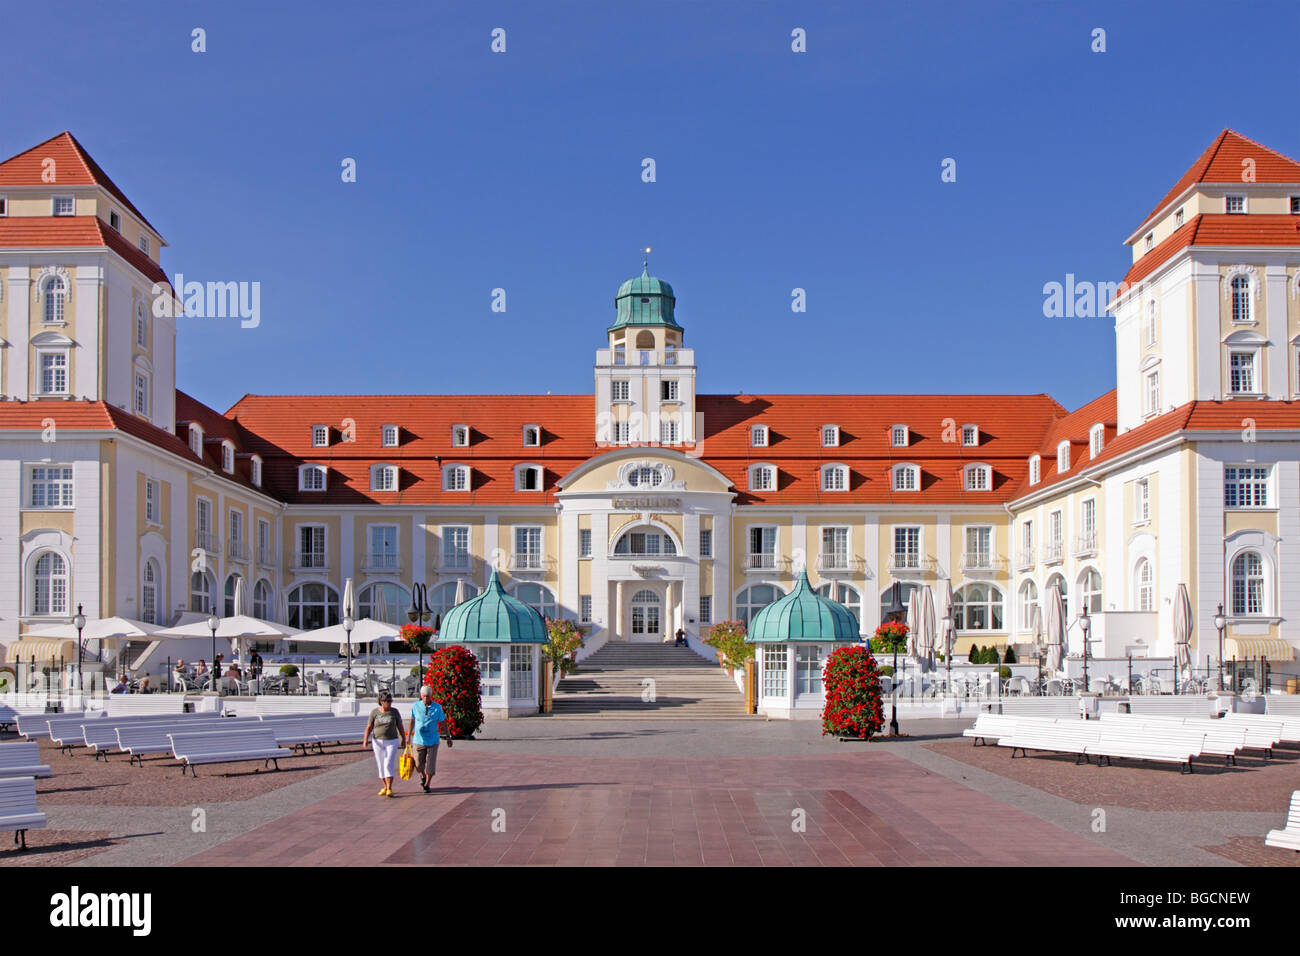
x=646, y=503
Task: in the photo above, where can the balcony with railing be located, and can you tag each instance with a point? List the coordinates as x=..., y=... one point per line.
x=381, y=561
x=837, y=562
x=530, y=562
x=1054, y=552
x=238, y=550
x=910, y=563
x=207, y=541
x=267, y=557
x=1025, y=559
x=982, y=562
x=310, y=560
x=764, y=561
x=615, y=357
x=1085, y=545
x=455, y=561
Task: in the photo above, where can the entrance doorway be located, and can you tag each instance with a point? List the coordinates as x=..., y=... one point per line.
x=646, y=617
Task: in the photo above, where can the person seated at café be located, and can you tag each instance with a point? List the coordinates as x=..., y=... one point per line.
x=122, y=685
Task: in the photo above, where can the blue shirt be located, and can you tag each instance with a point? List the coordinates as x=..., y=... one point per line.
x=426, y=722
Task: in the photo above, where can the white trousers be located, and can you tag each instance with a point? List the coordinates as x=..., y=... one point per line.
x=386, y=756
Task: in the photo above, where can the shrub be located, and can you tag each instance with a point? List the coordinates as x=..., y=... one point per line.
x=975, y=657
x=454, y=676
x=565, y=639
x=289, y=670
x=991, y=656
x=1010, y=656
x=885, y=670
x=1004, y=672
x=415, y=671
x=728, y=639
x=852, y=685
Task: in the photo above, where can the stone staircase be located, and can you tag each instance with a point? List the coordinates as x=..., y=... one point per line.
x=611, y=683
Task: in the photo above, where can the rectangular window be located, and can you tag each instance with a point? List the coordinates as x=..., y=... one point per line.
x=311, y=546
x=489, y=670
x=144, y=243
x=808, y=669
x=706, y=542
x=1150, y=241
x=775, y=679
x=115, y=221
x=898, y=436
x=382, y=554
x=622, y=432
x=63, y=206
x=706, y=608
x=1153, y=393
x=977, y=478
x=907, y=547
x=142, y=394
x=970, y=435
x=979, y=547
x=835, y=548
x=1142, y=509
x=905, y=478
x=312, y=478
x=584, y=608
x=383, y=478
x=1234, y=204
x=834, y=478
x=521, y=672
x=203, y=516
x=668, y=433
x=4, y=205
x=460, y=435
x=1245, y=487
x=54, y=373
x=151, y=501
x=236, y=527
x=1088, y=522
x=455, y=547
x=619, y=390
x=320, y=436
x=668, y=390
x=51, y=486
x=1056, y=530
x=389, y=436
x=264, y=555
x=758, y=436
x=584, y=542
x=1295, y=205
x=1242, y=369
x=830, y=436
x=528, y=547
x=1035, y=470
x=1095, y=440
x=762, y=547
x=1179, y=217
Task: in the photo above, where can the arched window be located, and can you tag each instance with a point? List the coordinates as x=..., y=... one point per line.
x=541, y=599
x=262, y=601
x=907, y=478
x=313, y=605
x=1058, y=581
x=978, y=607
x=1144, y=582
x=203, y=588
x=229, y=607
x=645, y=477
x=1090, y=590
x=384, y=601
x=149, y=592
x=50, y=584
x=645, y=540
x=978, y=477
x=55, y=296
x=383, y=478
x=847, y=595
x=1247, y=584
x=311, y=478
x=528, y=478
x=762, y=478
x=1028, y=601
x=1241, y=311
x=835, y=478
x=753, y=598
x=455, y=478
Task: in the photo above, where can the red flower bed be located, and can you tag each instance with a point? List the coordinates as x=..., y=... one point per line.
x=852, y=685
x=454, y=676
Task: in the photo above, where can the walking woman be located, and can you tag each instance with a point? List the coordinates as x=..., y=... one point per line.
x=385, y=734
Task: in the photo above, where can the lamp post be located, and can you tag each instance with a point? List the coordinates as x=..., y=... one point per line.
x=1085, y=623
x=1220, y=622
x=213, y=623
x=893, y=608
x=79, y=621
x=418, y=614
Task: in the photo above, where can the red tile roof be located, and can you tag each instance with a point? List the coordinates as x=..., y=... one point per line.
x=1218, y=229
x=49, y=232
x=73, y=166
x=1222, y=163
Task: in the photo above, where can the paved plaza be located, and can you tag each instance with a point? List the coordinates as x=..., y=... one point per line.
x=552, y=791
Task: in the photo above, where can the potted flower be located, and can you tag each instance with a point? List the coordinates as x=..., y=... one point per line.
x=454, y=676
x=728, y=639
x=851, y=682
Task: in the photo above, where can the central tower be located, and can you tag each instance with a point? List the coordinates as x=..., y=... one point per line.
x=645, y=379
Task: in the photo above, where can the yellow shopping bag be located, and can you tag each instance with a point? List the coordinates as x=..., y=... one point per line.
x=406, y=764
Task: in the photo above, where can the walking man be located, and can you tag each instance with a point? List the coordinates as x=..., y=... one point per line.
x=426, y=716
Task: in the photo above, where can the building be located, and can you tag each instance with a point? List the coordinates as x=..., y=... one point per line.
x=648, y=505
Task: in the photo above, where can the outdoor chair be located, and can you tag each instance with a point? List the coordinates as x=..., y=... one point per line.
x=1153, y=686
x=1055, y=688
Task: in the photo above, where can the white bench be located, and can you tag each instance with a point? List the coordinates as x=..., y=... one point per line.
x=22, y=759
x=1075, y=738
x=317, y=731
x=137, y=740
x=1288, y=838
x=1105, y=739
x=269, y=705
x=1286, y=728
x=990, y=727
x=100, y=736
x=131, y=705
x=14, y=706
x=18, y=808
x=227, y=746
x=65, y=729
x=1041, y=707
x=1216, y=738
x=1154, y=746
x=1181, y=705
x=34, y=726
x=1282, y=705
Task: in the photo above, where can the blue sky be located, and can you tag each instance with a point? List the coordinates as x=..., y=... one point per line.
x=775, y=170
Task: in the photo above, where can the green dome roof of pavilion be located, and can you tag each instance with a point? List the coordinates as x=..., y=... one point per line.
x=802, y=615
x=645, y=300
x=492, y=617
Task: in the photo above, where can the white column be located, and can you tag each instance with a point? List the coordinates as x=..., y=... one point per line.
x=419, y=545
x=347, y=550
x=19, y=299
x=492, y=554
x=616, y=625
x=569, y=561
x=799, y=556
x=600, y=611
x=88, y=281
x=1275, y=330
x=871, y=590
x=689, y=606
x=722, y=603
x=1288, y=549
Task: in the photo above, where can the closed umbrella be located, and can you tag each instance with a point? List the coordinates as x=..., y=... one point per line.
x=348, y=607
x=241, y=599
x=1182, y=633
x=461, y=596
x=913, y=621
x=1054, y=626
x=929, y=625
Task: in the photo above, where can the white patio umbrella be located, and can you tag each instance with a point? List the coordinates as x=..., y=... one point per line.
x=461, y=596
x=103, y=629
x=913, y=621
x=1182, y=632
x=364, y=631
x=1054, y=626
x=349, y=610
x=949, y=634
x=240, y=607
x=929, y=624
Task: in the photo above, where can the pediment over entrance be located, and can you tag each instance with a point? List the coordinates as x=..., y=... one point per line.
x=644, y=471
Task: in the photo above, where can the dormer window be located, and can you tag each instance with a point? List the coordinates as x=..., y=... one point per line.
x=1234, y=204
x=388, y=436
x=144, y=243
x=114, y=221
x=311, y=478
x=1096, y=438
x=758, y=436
x=898, y=436
x=532, y=436
x=528, y=478
x=970, y=436
x=62, y=206
x=255, y=470
x=978, y=477
x=762, y=478
x=383, y=478
x=907, y=478
x=1179, y=218
x=455, y=478
x=830, y=436
x=835, y=478
x=1295, y=205
x=196, y=439
x=1035, y=469
x=1063, y=457
x=4, y=205
x=320, y=436
x=460, y=436
x=228, y=457
x=1150, y=241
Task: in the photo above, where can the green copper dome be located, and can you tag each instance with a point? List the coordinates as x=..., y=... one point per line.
x=802, y=615
x=645, y=300
x=493, y=617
